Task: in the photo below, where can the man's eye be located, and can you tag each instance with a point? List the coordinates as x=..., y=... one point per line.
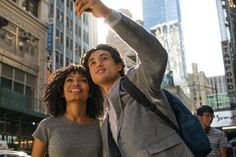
x=92, y=63
x=104, y=58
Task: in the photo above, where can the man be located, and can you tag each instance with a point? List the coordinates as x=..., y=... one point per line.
x=216, y=137
x=130, y=129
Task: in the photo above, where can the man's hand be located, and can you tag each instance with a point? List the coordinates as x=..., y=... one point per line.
x=96, y=7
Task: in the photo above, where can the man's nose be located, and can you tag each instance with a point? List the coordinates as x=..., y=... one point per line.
x=99, y=63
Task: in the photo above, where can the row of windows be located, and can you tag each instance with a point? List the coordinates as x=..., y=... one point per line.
x=30, y=6
x=17, y=80
x=69, y=42
x=21, y=47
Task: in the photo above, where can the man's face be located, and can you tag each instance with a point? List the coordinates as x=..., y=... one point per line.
x=103, y=69
x=206, y=119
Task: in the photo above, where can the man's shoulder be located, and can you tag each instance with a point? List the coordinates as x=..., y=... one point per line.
x=216, y=131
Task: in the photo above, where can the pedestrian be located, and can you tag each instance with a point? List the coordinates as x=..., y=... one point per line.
x=231, y=148
x=129, y=129
x=217, y=138
x=72, y=129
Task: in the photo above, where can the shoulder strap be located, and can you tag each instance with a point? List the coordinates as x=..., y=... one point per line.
x=138, y=95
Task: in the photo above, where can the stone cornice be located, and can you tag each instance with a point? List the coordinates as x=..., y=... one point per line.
x=15, y=14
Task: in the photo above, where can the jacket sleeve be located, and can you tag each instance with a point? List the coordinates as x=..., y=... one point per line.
x=152, y=55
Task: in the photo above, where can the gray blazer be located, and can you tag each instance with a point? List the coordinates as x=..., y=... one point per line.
x=140, y=132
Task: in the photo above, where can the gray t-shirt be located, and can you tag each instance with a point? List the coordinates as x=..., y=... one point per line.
x=67, y=138
x=218, y=140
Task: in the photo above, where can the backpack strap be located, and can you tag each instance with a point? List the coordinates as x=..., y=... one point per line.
x=138, y=95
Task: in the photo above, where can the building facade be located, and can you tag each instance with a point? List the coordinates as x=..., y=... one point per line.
x=160, y=11
x=208, y=90
x=168, y=35
x=68, y=35
x=36, y=38
x=128, y=55
x=227, y=19
x=163, y=18
x=198, y=86
x=218, y=98
x=23, y=43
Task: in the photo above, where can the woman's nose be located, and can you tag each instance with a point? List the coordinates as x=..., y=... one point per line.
x=75, y=83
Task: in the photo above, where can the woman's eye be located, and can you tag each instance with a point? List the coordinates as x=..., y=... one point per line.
x=69, y=80
x=84, y=80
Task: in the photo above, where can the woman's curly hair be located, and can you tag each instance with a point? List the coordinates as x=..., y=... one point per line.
x=55, y=103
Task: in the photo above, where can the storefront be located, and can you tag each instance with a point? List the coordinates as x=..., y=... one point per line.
x=226, y=121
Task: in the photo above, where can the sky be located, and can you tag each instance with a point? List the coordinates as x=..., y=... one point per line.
x=200, y=28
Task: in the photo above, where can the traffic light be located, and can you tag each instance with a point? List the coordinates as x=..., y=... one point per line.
x=3, y=22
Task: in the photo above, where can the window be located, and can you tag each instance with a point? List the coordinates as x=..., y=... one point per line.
x=7, y=71
x=31, y=6
x=67, y=42
x=57, y=34
x=32, y=51
x=19, y=76
x=51, y=8
x=61, y=59
x=18, y=87
x=9, y=39
x=57, y=57
x=61, y=17
x=58, y=14
x=68, y=4
x=30, y=80
x=85, y=19
x=71, y=5
x=61, y=37
x=29, y=91
x=23, y=82
x=85, y=35
x=67, y=22
x=71, y=44
x=67, y=61
x=6, y=83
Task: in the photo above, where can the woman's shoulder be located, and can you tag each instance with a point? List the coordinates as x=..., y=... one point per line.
x=50, y=120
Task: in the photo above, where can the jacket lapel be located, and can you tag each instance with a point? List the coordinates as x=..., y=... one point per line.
x=114, y=97
x=104, y=133
x=110, y=146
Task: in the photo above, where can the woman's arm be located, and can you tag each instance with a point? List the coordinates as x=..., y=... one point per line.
x=39, y=148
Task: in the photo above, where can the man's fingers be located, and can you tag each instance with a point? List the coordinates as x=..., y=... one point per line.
x=81, y=6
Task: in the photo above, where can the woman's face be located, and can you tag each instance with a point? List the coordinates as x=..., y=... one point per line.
x=76, y=88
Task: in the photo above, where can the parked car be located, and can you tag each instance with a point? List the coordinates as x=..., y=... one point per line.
x=9, y=153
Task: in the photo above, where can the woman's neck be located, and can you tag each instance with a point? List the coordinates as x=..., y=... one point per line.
x=76, y=113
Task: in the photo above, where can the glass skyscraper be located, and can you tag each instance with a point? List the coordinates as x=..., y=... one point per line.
x=163, y=18
x=160, y=11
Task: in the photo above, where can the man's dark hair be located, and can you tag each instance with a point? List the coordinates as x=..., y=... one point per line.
x=54, y=101
x=111, y=49
x=205, y=109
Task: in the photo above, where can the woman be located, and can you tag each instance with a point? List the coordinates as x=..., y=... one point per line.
x=74, y=105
